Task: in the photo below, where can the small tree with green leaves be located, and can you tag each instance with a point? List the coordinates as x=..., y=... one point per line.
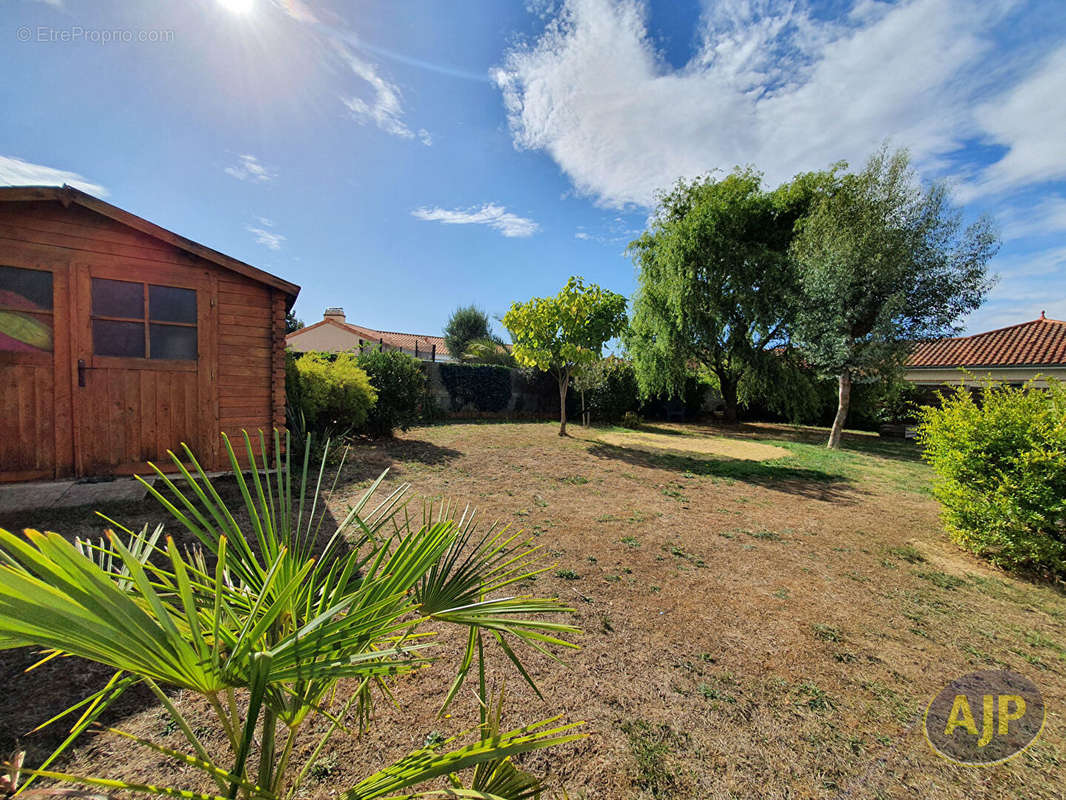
x=564, y=333
x=883, y=263
x=466, y=324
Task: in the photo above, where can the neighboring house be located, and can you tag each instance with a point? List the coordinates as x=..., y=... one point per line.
x=333, y=334
x=1012, y=355
x=120, y=340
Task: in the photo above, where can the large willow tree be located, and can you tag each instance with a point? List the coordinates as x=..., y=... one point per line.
x=716, y=286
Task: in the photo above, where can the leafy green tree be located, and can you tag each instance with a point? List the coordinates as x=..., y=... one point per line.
x=400, y=383
x=564, y=333
x=263, y=619
x=466, y=324
x=715, y=283
x=292, y=323
x=882, y=263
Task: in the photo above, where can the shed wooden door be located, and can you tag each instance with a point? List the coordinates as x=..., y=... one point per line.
x=143, y=370
x=35, y=419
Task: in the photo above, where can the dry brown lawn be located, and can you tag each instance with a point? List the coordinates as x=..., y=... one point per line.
x=762, y=619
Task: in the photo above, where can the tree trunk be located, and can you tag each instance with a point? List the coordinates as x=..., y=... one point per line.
x=842, y=410
x=729, y=397
x=564, y=383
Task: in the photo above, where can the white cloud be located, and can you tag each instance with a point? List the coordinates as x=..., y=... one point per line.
x=770, y=84
x=1044, y=218
x=268, y=239
x=16, y=172
x=384, y=105
x=496, y=217
x=1029, y=120
x=248, y=168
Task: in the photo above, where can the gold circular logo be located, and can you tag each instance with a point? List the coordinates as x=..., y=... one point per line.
x=985, y=718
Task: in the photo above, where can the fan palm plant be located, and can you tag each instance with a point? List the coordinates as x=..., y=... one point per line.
x=266, y=613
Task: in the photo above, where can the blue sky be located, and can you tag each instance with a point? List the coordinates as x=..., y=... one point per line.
x=404, y=158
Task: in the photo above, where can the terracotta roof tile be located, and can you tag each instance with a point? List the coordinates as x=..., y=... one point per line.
x=406, y=341
x=1040, y=342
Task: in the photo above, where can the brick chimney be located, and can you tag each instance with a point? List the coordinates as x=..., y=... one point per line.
x=334, y=313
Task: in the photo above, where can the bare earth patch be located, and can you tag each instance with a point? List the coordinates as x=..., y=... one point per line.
x=757, y=624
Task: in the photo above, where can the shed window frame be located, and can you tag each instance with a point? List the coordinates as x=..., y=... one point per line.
x=147, y=323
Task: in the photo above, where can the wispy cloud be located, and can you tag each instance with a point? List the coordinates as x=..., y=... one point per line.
x=249, y=168
x=16, y=172
x=496, y=217
x=268, y=239
x=1046, y=217
x=383, y=104
x=779, y=85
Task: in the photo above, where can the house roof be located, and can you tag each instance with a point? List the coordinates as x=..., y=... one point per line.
x=1041, y=342
x=405, y=341
x=68, y=194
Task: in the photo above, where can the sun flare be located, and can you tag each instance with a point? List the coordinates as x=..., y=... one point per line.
x=237, y=6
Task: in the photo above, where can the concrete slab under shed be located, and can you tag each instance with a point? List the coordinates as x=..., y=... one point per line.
x=68, y=494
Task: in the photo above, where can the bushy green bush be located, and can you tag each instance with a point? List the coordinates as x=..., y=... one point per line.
x=613, y=389
x=400, y=384
x=1001, y=472
x=333, y=392
x=486, y=387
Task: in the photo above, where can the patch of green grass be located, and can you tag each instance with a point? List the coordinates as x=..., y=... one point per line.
x=908, y=553
x=680, y=553
x=632, y=541
x=767, y=536
x=567, y=574
x=816, y=699
x=712, y=693
x=941, y=579
x=324, y=768
x=782, y=594
x=827, y=633
x=574, y=480
x=651, y=747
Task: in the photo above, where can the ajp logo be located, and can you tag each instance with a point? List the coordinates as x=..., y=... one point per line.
x=985, y=717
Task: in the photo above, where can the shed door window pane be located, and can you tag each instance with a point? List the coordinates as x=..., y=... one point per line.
x=173, y=342
x=25, y=289
x=170, y=304
x=25, y=310
x=118, y=299
x=125, y=339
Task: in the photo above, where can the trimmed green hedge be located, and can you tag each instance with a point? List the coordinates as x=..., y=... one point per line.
x=487, y=387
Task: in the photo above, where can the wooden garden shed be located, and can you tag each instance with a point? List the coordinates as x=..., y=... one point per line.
x=119, y=340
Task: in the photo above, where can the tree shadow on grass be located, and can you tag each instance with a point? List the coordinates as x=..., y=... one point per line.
x=814, y=484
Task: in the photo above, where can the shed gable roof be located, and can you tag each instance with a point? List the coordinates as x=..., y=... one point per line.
x=1041, y=342
x=68, y=194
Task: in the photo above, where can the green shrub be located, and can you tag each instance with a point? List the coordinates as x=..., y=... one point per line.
x=614, y=391
x=1001, y=472
x=486, y=387
x=334, y=392
x=400, y=384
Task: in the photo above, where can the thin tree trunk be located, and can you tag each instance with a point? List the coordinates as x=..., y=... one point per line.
x=564, y=382
x=729, y=398
x=842, y=410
